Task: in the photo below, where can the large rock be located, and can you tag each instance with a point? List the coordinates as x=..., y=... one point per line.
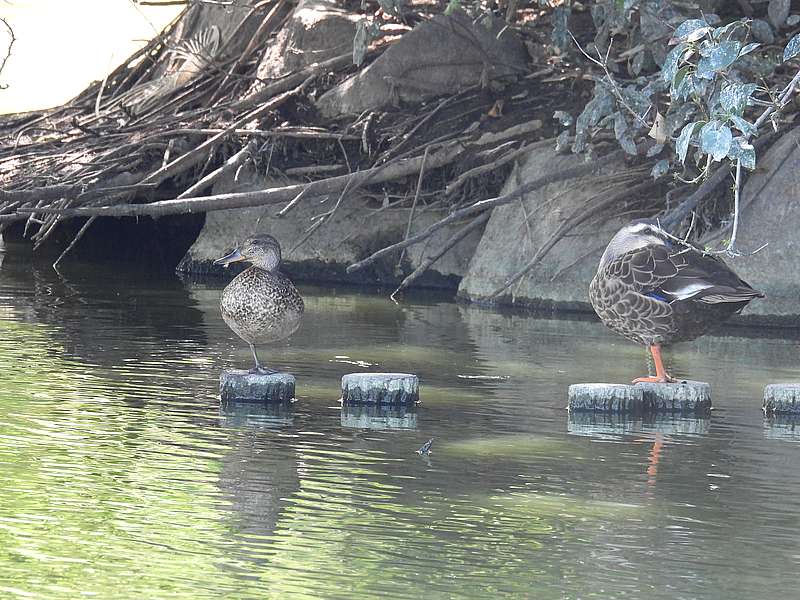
x=317, y=31
x=440, y=56
x=770, y=214
x=354, y=231
x=515, y=232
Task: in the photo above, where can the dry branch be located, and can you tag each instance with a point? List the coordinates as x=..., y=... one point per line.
x=332, y=185
x=446, y=247
x=580, y=215
x=482, y=205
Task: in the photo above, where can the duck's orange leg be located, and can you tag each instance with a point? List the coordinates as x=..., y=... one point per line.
x=661, y=373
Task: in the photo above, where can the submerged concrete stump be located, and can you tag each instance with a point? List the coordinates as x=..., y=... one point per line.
x=255, y=415
x=236, y=384
x=782, y=399
x=687, y=397
x=359, y=416
x=380, y=388
x=683, y=397
x=782, y=427
x=604, y=397
x=615, y=425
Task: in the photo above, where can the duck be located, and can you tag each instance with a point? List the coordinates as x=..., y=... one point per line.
x=656, y=289
x=261, y=305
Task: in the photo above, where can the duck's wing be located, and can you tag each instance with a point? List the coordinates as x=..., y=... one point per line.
x=644, y=270
x=673, y=273
x=703, y=278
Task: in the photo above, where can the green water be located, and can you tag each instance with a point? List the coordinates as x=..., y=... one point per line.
x=123, y=477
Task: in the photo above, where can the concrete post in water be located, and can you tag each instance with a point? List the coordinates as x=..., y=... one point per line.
x=380, y=388
x=237, y=384
x=604, y=397
x=687, y=397
x=782, y=399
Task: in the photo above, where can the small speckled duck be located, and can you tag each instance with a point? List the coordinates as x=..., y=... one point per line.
x=655, y=290
x=261, y=305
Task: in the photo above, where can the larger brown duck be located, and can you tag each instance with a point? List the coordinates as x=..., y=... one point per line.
x=656, y=290
x=261, y=305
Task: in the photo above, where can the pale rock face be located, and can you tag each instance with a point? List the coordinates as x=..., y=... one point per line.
x=439, y=57
x=354, y=232
x=518, y=230
x=770, y=215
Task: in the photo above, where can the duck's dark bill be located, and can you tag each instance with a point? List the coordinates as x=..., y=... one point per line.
x=234, y=256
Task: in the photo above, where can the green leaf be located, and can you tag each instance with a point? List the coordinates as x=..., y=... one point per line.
x=778, y=10
x=660, y=168
x=563, y=117
x=745, y=127
x=562, y=142
x=748, y=49
x=670, y=66
x=718, y=59
x=360, y=42
x=721, y=32
x=792, y=48
x=452, y=7
x=689, y=84
x=622, y=133
x=682, y=144
x=762, y=31
x=560, y=22
x=715, y=139
x=686, y=28
x=743, y=151
x=734, y=97
x=748, y=157
x=654, y=150
x=678, y=79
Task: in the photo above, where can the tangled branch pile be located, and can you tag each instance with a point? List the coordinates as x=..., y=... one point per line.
x=190, y=108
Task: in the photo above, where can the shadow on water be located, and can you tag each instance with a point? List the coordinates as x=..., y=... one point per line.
x=124, y=475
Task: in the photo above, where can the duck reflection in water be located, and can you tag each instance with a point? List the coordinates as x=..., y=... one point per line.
x=261, y=305
x=655, y=289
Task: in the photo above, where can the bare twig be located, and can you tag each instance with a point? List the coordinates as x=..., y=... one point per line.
x=266, y=196
x=490, y=166
x=414, y=202
x=74, y=241
x=8, y=50
x=482, y=205
x=233, y=163
x=602, y=62
x=578, y=216
x=452, y=241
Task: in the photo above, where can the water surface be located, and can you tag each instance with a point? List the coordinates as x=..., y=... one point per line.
x=123, y=476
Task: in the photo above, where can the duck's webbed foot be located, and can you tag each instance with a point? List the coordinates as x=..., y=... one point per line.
x=652, y=379
x=661, y=375
x=262, y=370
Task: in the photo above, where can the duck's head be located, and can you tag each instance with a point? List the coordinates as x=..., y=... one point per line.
x=636, y=234
x=262, y=251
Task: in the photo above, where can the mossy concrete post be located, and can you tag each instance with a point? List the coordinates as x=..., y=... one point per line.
x=236, y=384
x=380, y=388
x=604, y=397
x=782, y=399
x=685, y=397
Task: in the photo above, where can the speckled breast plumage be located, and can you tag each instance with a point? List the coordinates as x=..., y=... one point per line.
x=629, y=313
x=261, y=306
